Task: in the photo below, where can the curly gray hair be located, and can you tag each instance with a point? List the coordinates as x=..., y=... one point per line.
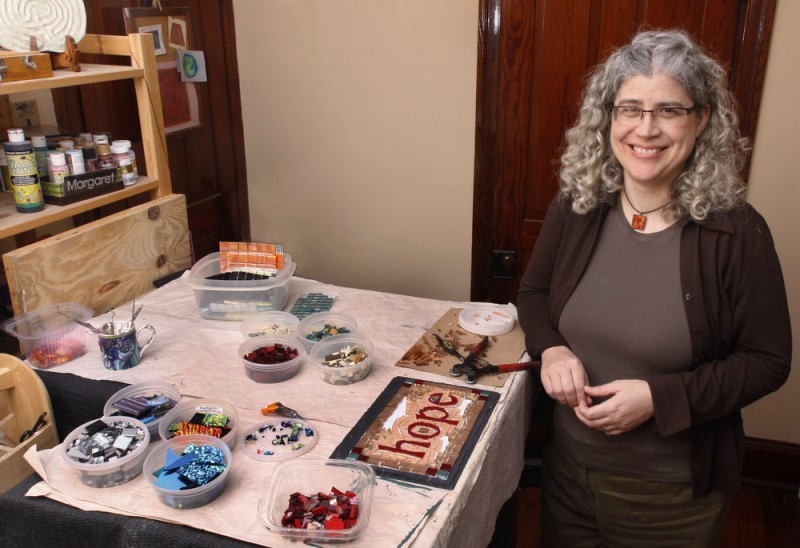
x=712, y=181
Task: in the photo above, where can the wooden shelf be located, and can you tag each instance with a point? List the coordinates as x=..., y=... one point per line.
x=138, y=53
x=62, y=78
x=12, y=222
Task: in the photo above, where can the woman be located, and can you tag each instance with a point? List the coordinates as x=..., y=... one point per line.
x=655, y=300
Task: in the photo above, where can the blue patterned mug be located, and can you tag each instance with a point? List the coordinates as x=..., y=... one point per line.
x=120, y=346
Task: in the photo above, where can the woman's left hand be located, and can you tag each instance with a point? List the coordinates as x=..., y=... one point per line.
x=628, y=403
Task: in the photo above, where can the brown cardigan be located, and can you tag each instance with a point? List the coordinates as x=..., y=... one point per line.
x=738, y=315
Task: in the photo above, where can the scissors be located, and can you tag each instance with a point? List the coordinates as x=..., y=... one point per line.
x=35, y=428
x=474, y=366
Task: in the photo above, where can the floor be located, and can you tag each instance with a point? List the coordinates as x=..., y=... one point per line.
x=759, y=518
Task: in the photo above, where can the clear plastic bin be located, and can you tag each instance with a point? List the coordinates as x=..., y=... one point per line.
x=309, y=477
x=49, y=337
x=238, y=299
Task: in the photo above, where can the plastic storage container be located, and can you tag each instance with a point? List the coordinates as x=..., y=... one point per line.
x=187, y=409
x=309, y=477
x=276, y=372
x=115, y=472
x=238, y=299
x=49, y=337
x=335, y=374
x=185, y=499
x=270, y=323
x=144, y=389
x=313, y=327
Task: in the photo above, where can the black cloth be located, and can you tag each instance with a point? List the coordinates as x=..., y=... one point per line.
x=38, y=521
x=76, y=400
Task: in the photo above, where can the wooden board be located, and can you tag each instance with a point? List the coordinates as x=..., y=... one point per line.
x=104, y=263
x=23, y=398
x=427, y=355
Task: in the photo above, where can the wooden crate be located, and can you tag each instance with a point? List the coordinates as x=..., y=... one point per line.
x=17, y=69
x=23, y=398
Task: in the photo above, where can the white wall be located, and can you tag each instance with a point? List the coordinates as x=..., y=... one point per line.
x=359, y=120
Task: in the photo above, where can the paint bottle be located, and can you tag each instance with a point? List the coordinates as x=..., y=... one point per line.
x=85, y=139
x=40, y=150
x=6, y=180
x=104, y=156
x=130, y=152
x=124, y=164
x=75, y=162
x=58, y=171
x=102, y=138
x=23, y=173
x=90, y=158
x=68, y=144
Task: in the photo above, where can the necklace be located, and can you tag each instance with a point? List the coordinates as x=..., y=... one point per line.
x=639, y=218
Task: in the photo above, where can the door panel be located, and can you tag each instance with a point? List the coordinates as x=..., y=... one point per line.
x=533, y=60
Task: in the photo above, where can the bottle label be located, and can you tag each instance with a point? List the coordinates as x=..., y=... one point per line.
x=126, y=174
x=41, y=163
x=55, y=186
x=25, y=182
x=22, y=165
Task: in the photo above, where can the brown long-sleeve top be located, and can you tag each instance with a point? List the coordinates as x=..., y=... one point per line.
x=738, y=315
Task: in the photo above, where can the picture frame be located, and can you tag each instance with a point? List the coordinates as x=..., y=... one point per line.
x=158, y=37
x=170, y=28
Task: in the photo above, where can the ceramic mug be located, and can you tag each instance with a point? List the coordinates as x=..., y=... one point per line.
x=120, y=346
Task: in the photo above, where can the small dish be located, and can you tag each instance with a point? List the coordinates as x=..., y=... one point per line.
x=270, y=347
x=165, y=483
x=271, y=323
x=321, y=325
x=108, y=451
x=192, y=410
x=143, y=398
x=354, y=351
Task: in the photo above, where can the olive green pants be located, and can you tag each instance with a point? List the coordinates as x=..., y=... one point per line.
x=584, y=507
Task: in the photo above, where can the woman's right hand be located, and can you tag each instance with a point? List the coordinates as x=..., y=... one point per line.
x=563, y=376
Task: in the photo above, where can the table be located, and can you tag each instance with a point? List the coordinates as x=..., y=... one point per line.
x=199, y=357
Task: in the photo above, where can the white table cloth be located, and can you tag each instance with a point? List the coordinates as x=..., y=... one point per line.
x=199, y=356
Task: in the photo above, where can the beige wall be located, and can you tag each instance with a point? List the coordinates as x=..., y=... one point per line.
x=359, y=120
x=775, y=192
x=359, y=123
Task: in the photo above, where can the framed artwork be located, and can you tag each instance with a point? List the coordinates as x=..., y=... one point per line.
x=170, y=30
x=420, y=431
x=158, y=37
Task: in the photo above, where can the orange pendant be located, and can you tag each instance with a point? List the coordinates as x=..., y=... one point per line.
x=638, y=222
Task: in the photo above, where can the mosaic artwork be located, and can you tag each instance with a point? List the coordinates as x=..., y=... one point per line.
x=420, y=431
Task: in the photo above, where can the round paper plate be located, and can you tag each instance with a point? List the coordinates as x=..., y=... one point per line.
x=279, y=438
x=486, y=320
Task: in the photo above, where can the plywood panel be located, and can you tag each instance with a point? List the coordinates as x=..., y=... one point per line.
x=104, y=263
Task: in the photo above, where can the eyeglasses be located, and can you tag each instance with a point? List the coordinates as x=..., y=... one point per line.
x=668, y=116
x=35, y=428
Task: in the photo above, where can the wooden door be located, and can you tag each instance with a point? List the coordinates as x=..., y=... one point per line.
x=207, y=162
x=533, y=59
